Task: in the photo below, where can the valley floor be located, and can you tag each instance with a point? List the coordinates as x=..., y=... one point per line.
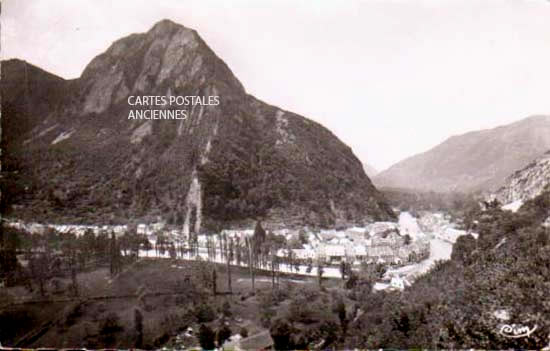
x=169, y=303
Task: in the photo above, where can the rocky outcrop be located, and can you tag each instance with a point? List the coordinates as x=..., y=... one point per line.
x=475, y=161
x=83, y=160
x=527, y=183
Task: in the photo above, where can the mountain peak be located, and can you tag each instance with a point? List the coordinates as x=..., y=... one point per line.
x=166, y=23
x=168, y=59
x=228, y=163
x=167, y=27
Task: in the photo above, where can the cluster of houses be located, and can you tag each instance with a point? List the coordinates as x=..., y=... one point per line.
x=442, y=227
x=77, y=229
x=81, y=229
x=380, y=242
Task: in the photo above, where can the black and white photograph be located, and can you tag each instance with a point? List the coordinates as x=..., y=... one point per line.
x=275, y=175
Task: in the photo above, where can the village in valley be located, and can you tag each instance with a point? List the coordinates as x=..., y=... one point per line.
x=406, y=248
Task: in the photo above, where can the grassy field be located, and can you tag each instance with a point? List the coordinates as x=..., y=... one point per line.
x=172, y=296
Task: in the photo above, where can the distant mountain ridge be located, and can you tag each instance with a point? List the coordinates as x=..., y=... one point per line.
x=475, y=161
x=79, y=159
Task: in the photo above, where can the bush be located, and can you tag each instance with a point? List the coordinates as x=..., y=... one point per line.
x=300, y=311
x=223, y=334
x=281, y=332
x=205, y=313
x=226, y=309
x=206, y=337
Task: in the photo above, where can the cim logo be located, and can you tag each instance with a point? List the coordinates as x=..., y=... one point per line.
x=516, y=331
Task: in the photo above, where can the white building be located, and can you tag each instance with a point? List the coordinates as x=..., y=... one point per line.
x=399, y=283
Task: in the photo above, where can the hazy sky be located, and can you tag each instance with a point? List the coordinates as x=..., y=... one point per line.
x=389, y=78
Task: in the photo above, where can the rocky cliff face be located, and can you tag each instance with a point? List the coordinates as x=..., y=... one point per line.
x=473, y=161
x=82, y=160
x=526, y=183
